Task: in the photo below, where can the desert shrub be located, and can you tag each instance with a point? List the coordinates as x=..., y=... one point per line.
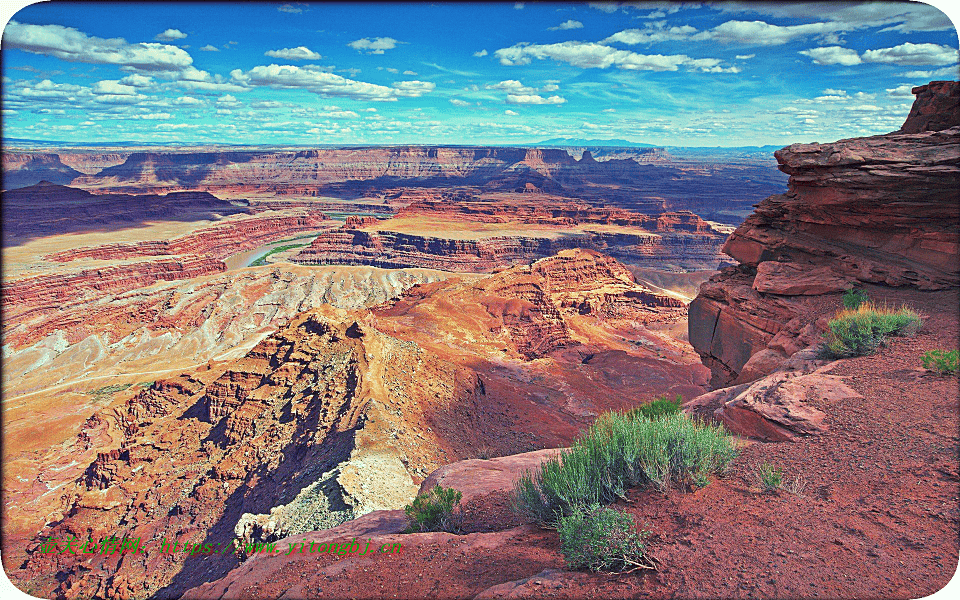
x=768, y=477
x=658, y=407
x=942, y=361
x=437, y=510
x=602, y=539
x=620, y=451
x=854, y=297
x=857, y=332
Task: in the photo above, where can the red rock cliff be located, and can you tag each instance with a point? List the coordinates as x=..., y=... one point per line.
x=879, y=210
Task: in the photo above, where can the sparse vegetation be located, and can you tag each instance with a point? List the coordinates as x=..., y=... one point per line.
x=768, y=477
x=602, y=539
x=658, y=407
x=619, y=451
x=437, y=510
x=944, y=362
x=263, y=259
x=859, y=331
x=854, y=297
x=108, y=390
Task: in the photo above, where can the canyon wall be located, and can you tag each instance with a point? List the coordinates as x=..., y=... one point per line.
x=880, y=210
x=640, y=180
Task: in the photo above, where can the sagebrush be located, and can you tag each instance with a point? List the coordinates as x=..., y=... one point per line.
x=943, y=362
x=620, y=451
x=437, y=510
x=602, y=539
x=859, y=331
x=658, y=407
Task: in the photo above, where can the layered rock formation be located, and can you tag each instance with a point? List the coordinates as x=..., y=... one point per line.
x=339, y=413
x=22, y=169
x=470, y=241
x=48, y=209
x=880, y=210
x=639, y=179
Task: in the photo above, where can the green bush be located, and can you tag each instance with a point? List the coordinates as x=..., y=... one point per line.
x=436, y=510
x=942, y=361
x=658, y=407
x=854, y=297
x=857, y=332
x=602, y=539
x=620, y=451
x=768, y=477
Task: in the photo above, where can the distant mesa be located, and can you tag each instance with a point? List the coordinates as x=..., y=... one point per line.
x=47, y=208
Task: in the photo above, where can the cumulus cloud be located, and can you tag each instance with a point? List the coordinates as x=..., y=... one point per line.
x=511, y=113
x=906, y=54
x=227, y=101
x=833, y=55
x=480, y=54
x=458, y=102
x=745, y=56
x=289, y=8
x=326, y=84
x=209, y=48
x=374, y=46
x=913, y=55
x=298, y=53
x=654, y=32
x=113, y=87
x=533, y=99
x=765, y=34
x=170, y=35
x=72, y=45
x=591, y=55
x=187, y=101
x=513, y=86
x=568, y=24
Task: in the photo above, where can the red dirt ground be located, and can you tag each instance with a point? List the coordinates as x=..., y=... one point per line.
x=878, y=517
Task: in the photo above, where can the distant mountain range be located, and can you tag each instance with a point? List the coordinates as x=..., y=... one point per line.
x=583, y=142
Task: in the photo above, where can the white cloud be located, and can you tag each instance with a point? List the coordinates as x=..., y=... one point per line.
x=901, y=91
x=511, y=113
x=654, y=32
x=289, y=8
x=187, y=101
x=833, y=55
x=170, y=35
x=69, y=44
x=111, y=87
x=166, y=126
x=745, y=56
x=765, y=34
x=913, y=55
x=298, y=53
x=481, y=53
x=410, y=73
x=458, y=102
x=267, y=104
x=210, y=48
x=227, y=101
x=513, y=86
x=518, y=5
x=326, y=84
x=906, y=54
x=951, y=72
x=137, y=80
x=413, y=89
x=374, y=46
x=607, y=7
x=568, y=24
x=533, y=99
x=590, y=55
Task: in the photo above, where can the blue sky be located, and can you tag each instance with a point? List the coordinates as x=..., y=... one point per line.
x=693, y=74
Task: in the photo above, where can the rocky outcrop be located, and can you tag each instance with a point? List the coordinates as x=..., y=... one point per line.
x=48, y=209
x=880, y=210
x=340, y=413
x=218, y=241
x=21, y=169
x=677, y=240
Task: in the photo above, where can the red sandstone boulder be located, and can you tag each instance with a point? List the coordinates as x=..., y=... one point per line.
x=476, y=477
x=780, y=407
